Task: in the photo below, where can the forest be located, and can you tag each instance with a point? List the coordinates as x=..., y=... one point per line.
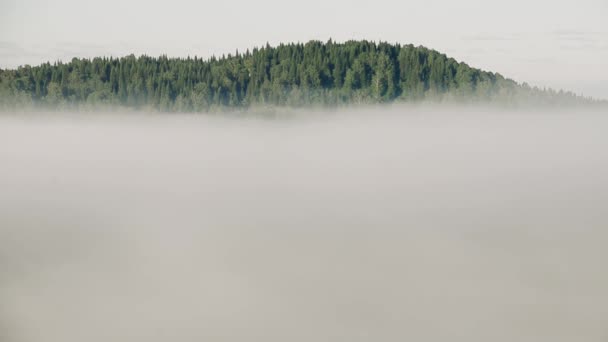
x=290, y=75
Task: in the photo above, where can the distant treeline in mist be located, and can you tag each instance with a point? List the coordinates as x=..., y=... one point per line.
x=293, y=75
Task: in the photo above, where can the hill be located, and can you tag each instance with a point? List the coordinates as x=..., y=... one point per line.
x=293, y=75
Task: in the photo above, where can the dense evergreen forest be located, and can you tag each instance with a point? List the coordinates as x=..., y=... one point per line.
x=294, y=75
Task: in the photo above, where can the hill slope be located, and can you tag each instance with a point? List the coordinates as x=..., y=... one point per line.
x=287, y=75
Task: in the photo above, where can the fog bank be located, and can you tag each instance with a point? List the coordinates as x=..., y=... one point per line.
x=406, y=223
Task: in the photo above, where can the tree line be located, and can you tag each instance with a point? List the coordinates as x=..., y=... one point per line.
x=294, y=75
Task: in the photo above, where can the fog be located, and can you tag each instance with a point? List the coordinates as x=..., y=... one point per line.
x=380, y=224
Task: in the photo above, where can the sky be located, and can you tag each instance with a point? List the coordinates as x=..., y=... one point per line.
x=559, y=44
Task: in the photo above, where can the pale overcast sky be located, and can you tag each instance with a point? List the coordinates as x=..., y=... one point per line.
x=561, y=44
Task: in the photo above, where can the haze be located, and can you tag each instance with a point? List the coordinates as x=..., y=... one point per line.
x=392, y=224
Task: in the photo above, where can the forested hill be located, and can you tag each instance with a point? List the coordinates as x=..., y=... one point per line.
x=287, y=75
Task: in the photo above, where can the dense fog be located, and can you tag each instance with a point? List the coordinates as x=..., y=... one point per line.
x=380, y=224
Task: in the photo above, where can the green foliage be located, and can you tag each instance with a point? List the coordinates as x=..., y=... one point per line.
x=313, y=73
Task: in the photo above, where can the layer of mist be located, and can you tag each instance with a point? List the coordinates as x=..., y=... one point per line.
x=395, y=224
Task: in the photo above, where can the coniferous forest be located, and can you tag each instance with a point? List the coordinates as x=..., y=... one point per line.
x=291, y=75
